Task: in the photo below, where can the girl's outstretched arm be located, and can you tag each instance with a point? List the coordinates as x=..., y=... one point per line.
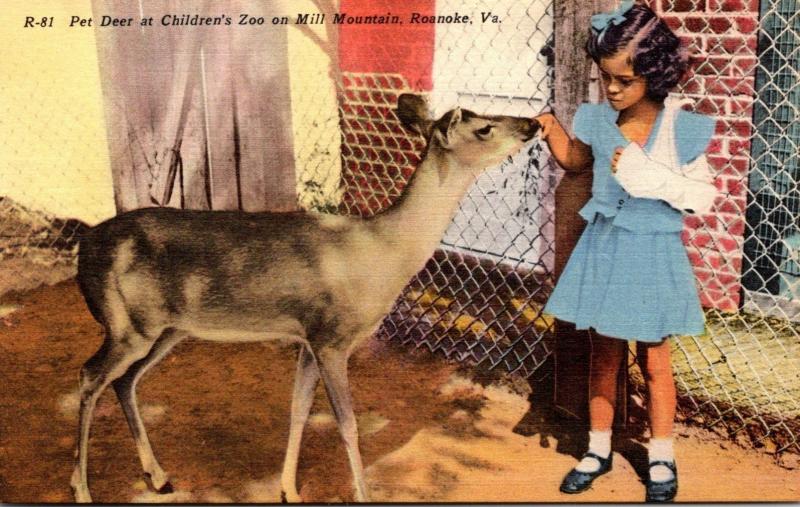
x=570, y=153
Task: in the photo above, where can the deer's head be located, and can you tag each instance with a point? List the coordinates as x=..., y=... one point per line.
x=472, y=140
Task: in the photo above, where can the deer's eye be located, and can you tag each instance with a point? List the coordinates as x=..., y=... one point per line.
x=485, y=131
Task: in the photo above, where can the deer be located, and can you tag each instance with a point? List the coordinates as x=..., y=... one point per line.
x=154, y=277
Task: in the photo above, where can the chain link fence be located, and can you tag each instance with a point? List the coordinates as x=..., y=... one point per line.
x=35, y=247
x=479, y=298
x=739, y=377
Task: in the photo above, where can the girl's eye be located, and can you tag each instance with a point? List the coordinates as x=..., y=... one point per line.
x=485, y=130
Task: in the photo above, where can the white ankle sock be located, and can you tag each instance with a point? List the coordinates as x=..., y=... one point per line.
x=600, y=444
x=660, y=449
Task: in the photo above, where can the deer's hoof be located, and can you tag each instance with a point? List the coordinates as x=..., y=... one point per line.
x=81, y=494
x=290, y=497
x=160, y=483
x=165, y=489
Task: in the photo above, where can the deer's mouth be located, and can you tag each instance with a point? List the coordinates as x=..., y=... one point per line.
x=531, y=130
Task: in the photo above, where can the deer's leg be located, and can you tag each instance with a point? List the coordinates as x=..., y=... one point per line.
x=109, y=363
x=125, y=387
x=333, y=370
x=305, y=383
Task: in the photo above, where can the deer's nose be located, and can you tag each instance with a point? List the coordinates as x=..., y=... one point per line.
x=531, y=129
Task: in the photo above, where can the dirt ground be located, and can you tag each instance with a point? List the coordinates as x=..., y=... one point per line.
x=218, y=419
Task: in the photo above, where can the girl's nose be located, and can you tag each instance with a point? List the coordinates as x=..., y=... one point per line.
x=612, y=88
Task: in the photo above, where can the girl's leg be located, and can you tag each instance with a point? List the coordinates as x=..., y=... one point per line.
x=656, y=365
x=607, y=356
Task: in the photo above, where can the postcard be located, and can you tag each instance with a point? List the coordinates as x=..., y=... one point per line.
x=334, y=251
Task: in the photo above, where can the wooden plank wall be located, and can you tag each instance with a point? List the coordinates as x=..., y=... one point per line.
x=197, y=117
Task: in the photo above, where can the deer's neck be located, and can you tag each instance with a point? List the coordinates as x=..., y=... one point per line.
x=419, y=220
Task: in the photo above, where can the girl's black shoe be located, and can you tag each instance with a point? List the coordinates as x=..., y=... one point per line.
x=663, y=491
x=576, y=482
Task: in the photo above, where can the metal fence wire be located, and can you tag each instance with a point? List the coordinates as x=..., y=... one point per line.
x=740, y=376
x=479, y=298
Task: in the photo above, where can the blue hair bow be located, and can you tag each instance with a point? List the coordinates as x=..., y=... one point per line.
x=601, y=22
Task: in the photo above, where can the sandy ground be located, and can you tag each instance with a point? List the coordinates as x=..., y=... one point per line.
x=218, y=419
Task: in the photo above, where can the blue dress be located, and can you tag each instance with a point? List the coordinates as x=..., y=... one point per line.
x=629, y=276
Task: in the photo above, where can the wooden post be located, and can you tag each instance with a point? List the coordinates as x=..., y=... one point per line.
x=197, y=116
x=572, y=73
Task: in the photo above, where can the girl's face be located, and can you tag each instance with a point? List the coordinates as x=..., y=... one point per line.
x=623, y=87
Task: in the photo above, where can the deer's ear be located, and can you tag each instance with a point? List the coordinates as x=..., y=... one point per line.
x=412, y=110
x=445, y=128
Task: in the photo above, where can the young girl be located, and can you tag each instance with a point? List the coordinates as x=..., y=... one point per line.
x=629, y=276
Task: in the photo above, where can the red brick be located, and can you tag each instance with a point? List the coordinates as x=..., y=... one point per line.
x=747, y=24
x=700, y=239
x=737, y=46
x=713, y=285
x=401, y=158
x=710, y=221
x=727, y=279
x=702, y=275
x=741, y=107
x=737, y=166
x=674, y=23
x=711, y=106
x=719, y=24
x=734, y=128
x=744, y=66
x=729, y=86
x=387, y=158
x=693, y=44
x=736, y=228
x=733, y=205
x=405, y=145
x=709, y=299
x=739, y=147
x=733, y=5
x=734, y=185
x=694, y=257
x=713, y=65
x=695, y=24
x=370, y=127
x=685, y=5
x=718, y=163
x=391, y=142
x=715, y=146
x=727, y=244
x=691, y=84
x=692, y=222
x=711, y=258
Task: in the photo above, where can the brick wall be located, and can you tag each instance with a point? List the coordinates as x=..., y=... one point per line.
x=721, y=36
x=379, y=63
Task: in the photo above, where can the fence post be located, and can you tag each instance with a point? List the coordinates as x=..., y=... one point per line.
x=572, y=73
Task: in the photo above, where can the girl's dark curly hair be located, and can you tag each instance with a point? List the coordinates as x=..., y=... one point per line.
x=656, y=52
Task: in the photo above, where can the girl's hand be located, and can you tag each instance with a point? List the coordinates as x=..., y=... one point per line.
x=571, y=154
x=615, y=158
x=546, y=120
